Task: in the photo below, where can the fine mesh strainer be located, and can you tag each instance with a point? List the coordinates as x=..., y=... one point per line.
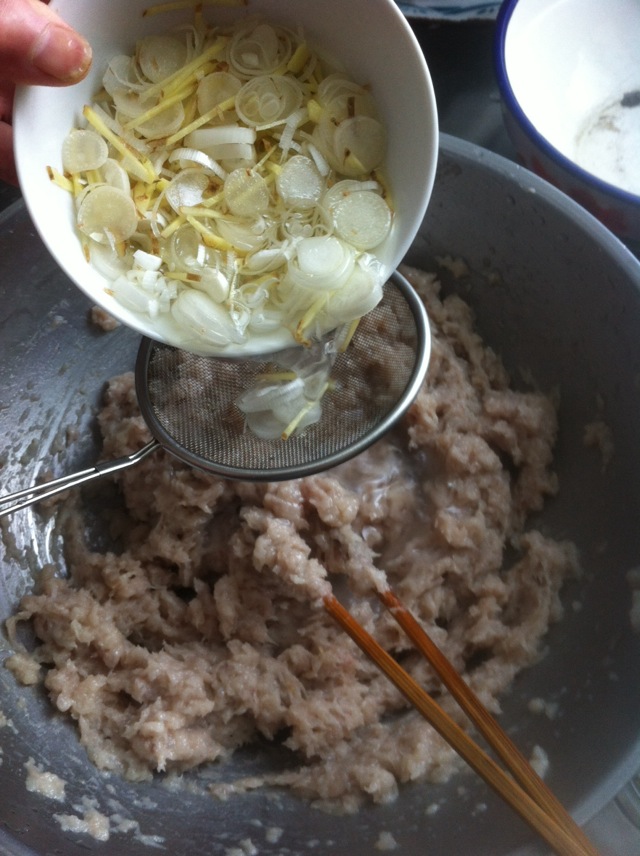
x=189, y=403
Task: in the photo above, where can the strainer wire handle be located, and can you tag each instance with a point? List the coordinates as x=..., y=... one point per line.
x=27, y=496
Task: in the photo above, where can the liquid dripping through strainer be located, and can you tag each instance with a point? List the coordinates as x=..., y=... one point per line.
x=188, y=403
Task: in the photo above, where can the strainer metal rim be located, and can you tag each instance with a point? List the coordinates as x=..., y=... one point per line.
x=326, y=462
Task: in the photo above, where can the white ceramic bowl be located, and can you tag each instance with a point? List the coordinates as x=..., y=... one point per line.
x=370, y=37
x=569, y=76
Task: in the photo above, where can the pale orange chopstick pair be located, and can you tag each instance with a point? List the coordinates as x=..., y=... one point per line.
x=526, y=793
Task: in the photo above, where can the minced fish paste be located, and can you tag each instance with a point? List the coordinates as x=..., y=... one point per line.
x=205, y=630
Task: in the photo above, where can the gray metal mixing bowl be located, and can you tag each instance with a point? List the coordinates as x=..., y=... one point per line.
x=559, y=298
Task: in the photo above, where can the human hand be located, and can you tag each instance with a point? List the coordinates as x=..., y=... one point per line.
x=36, y=47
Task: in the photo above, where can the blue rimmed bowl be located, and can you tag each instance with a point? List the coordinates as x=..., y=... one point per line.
x=569, y=78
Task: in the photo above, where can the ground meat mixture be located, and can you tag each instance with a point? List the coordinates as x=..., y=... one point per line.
x=204, y=630
x=102, y=319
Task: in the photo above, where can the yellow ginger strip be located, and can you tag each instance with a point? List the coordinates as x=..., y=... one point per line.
x=118, y=144
x=212, y=65
x=264, y=162
x=174, y=5
x=162, y=105
x=315, y=111
x=276, y=377
x=184, y=75
x=344, y=344
x=275, y=168
x=291, y=427
x=77, y=184
x=173, y=226
x=59, y=179
x=299, y=58
x=190, y=107
x=183, y=277
x=212, y=201
x=202, y=211
x=142, y=194
x=354, y=164
x=201, y=120
x=210, y=238
x=308, y=317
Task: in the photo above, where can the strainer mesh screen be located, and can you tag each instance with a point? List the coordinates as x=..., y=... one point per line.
x=188, y=401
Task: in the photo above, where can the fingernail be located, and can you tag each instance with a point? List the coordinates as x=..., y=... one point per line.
x=62, y=53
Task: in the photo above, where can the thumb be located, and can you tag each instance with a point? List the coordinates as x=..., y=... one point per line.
x=37, y=47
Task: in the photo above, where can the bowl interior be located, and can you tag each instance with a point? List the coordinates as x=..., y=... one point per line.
x=402, y=89
x=573, y=69
x=559, y=298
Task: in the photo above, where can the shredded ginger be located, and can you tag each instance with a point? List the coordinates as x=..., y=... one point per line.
x=228, y=184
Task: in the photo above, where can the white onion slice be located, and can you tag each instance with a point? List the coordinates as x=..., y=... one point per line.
x=268, y=99
x=269, y=396
x=107, y=262
x=315, y=383
x=215, y=88
x=226, y=152
x=246, y=193
x=342, y=97
x=265, y=425
x=298, y=117
x=287, y=411
x=115, y=175
x=277, y=408
x=164, y=123
x=130, y=295
x=316, y=256
x=268, y=259
x=321, y=163
x=299, y=183
x=196, y=156
x=186, y=250
x=265, y=321
x=345, y=187
x=131, y=104
x=359, y=145
x=83, y=150
x=107, y=213
x=321, y=263
x=259, y=50
x=147, y=261
x=204, y=138
x=362, y=218
x=215, y=284
x=120, y=75
x=187, y=189
x=359, y=295
x=205, y=321
x=270, y=410
x=242, y=235
x=161, y=56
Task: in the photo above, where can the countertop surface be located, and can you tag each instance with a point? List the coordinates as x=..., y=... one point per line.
x=459, y=56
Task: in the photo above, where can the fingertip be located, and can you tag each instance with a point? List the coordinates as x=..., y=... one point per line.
x=61, y=53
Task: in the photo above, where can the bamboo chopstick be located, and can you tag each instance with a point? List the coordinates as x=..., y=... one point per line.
x=486, y=724
x=554, y=826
